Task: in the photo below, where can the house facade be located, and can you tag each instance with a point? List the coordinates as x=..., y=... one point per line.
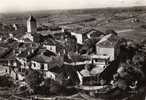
x=78, y=36
x=100, y=59
x=108, y=46
x=39, y=66
x=50, y=47
x=4, y=70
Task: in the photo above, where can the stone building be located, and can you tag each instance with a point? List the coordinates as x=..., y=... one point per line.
x=31, y=25
x=108, y=46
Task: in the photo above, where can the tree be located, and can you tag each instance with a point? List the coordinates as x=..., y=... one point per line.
x=138, y=59
x=34, y=78
x=6, y=81
x=111, y=31
x=89, y=46
x=68, y=76
x=127, y=74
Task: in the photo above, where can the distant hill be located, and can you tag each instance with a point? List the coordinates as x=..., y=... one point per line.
x=46, y=13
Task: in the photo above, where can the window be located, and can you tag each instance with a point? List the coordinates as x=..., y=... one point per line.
x=24, y=64
x=45, y=66
x=50, y=48
x=34, y=64
x=42, y=66
x=99, y=60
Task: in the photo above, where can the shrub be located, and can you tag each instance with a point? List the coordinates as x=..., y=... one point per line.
x=6, y=81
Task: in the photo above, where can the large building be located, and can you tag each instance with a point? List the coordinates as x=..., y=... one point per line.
x=108, y=46
x=31, y=25
x=78, y=37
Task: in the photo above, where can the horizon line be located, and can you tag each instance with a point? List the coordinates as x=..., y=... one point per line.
x=32, y=11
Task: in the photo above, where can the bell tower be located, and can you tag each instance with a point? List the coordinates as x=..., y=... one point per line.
x=31, y=25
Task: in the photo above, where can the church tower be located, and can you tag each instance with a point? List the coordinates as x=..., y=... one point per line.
x=31, y=25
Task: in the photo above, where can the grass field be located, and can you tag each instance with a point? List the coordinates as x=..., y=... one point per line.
x=119, y=19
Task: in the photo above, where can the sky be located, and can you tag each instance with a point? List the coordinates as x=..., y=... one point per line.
x=31, y=5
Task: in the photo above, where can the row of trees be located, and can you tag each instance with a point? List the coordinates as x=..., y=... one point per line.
x=38, y=84
x=131, y=72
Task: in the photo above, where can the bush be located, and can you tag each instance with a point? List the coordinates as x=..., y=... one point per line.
x=143, y=26
x=6, y=81
x=34, y=79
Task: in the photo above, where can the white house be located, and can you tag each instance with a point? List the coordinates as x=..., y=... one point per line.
x=39, y=65
x=100, y=62
x=22, y=38
x=50, y=47
x=108, y=45
x=40, y=62
x=50, y=75
x=100, y=59
x=35, y=65
x=78, y=36
x=22, y=56
x=4, y=70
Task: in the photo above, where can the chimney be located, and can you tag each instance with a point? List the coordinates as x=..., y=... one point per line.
x=32, y=50
x=28, y=52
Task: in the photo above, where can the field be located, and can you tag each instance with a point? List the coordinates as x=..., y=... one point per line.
x=128, y=22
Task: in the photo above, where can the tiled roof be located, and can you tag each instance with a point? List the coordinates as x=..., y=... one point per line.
x=9, y=44
x=41, y=59
x=28, y=45
x=27, y=40
x=9, y=54
x=93, y=31
x=3, y=45
x=49, y=53
x=2, y=50
x=59, y=46
x=109, y=40
x=44, y=33
x=75, y=58
x=23, y=54
x=50, y=42
x=18, y=34
x=97, y=70
x=66, y=59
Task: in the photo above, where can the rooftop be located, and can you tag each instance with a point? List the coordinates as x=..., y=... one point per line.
x=41, y=59
x=93, y=31
x=44, y=33
x=2, y=49
x=31, y=18
x=49, y=53
x=108, y=41
x=23, y=54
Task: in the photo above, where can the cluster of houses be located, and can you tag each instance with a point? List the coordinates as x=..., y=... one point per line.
x=45, y=49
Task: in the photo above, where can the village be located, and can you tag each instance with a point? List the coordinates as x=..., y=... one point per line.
x=57, y=60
